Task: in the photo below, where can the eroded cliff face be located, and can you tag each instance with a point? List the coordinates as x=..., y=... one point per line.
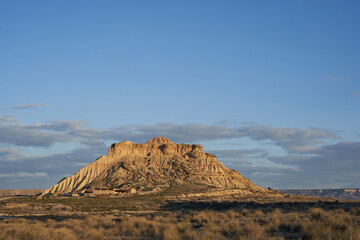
x=157, y=164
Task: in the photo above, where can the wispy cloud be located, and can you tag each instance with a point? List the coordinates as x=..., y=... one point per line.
x=19, y=135
x=251, y=158
x=330, y=166
x=10, y=154
x=8, y=118
x=47, y=134
x=334, y=165
x=291, y=139
x=332, y=77
x=24, y=175
x=354, y=94
x=26, y=106
x=187, y=133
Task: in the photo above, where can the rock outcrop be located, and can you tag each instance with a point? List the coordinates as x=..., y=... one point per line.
x=157, y=164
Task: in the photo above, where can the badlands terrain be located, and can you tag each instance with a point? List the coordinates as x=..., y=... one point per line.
x=154, y=166
x=181, y=193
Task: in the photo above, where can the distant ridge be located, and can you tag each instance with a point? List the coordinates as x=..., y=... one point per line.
x=14, y=192
x=341, y=193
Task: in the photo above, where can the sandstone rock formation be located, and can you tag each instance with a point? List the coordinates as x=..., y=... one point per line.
x=157, y=164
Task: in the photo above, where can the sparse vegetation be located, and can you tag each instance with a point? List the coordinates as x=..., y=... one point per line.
x=109, y=218
x=314, y=223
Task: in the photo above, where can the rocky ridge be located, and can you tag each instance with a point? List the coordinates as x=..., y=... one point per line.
x=342, y=193
x=157, y=164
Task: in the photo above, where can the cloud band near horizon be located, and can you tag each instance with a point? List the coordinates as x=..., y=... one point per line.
x=304, y=149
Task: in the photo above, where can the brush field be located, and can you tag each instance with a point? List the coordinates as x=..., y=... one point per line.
x=165, y=215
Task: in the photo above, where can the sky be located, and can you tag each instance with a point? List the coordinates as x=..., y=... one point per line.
x=270, y=87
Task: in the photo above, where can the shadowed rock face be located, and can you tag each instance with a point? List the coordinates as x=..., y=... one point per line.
x=159, y=163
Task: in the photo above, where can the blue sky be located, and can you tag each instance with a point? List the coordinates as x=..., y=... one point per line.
x=271, y=87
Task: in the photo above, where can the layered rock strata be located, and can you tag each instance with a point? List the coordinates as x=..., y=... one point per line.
x=157, y=164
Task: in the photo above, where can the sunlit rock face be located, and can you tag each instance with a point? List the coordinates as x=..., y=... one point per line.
x=156, y=164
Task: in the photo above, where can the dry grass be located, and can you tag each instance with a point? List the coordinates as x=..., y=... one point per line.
x=154, y=216
x=314, y=223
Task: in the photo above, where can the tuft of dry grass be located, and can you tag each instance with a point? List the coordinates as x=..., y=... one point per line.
x=330, y=225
